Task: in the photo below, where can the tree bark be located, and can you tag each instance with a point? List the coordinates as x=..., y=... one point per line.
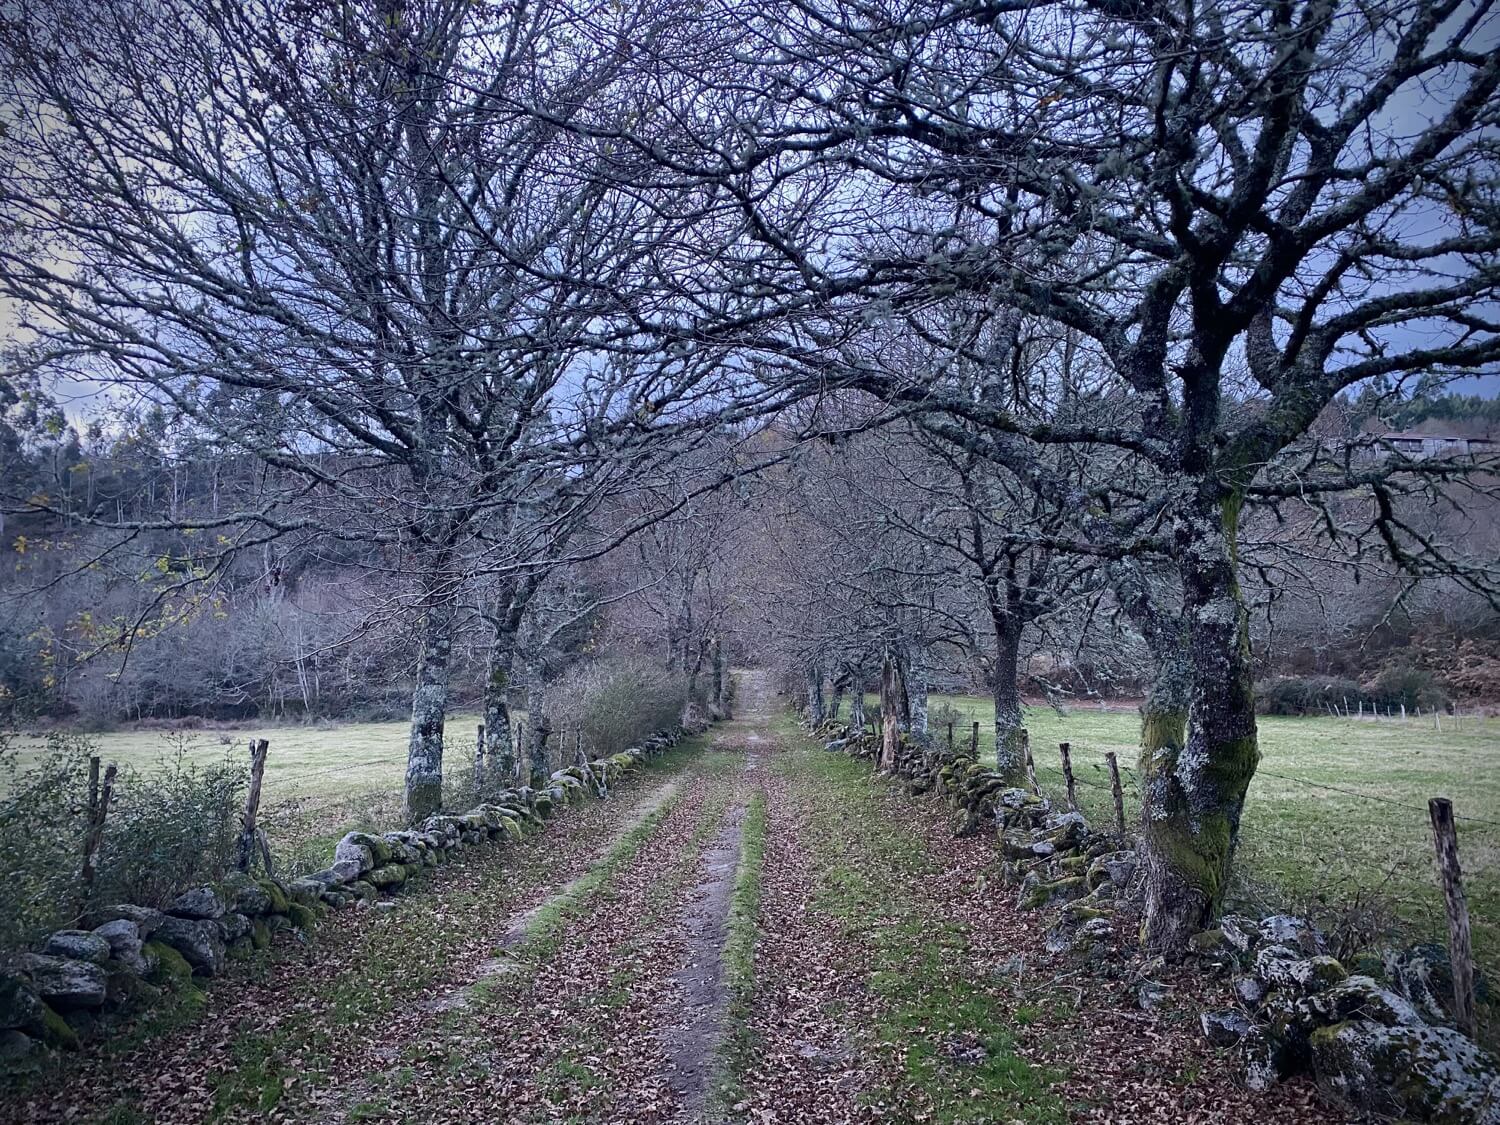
x=1195, y=787
x=429, y=706
x=499, y=748
x=894, y=713
x=1010, y=761
x=536, y=708
x=858, y=720
x=816, y=712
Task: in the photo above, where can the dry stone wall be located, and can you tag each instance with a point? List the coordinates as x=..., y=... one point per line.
x=125, y=957
x=1381, y=1037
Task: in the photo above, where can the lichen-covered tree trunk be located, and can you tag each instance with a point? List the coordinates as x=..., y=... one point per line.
x=913, y=670
x=499, y=745
x=816, y=711
x=836, y=705
x=1005, y=691
x=1195, y=788
x=539, y=763
x=717, y=703
x=858, y=720
x=429, y=706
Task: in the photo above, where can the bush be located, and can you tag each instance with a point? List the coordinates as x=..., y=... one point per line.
x=1405, y=685
x=1306, y=695
x=170, y=828
x=618, y=703
x=165, y=830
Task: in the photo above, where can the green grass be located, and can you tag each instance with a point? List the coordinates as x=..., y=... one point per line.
x=1299, y=841
x=927, y=1001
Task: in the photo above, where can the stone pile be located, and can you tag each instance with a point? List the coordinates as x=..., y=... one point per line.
x=128, y=955
x=1380, y=1037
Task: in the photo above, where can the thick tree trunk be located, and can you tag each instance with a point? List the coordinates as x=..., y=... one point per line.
x=858, y=720
x=716, y=660
x=1195, y=789
x=816, y=712
x=1010, y=737
x=894, y=712
x=837, y=704
x=429, y=705
x=539, y=765
x=499, y=747
x=914, y=686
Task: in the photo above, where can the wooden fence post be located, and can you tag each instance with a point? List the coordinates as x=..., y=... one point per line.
x=93, y=837
x=974, y=742
x=578, y=758
x=950, y=740
x=1067, y=763
x=1030, y=762
x=1119, y=791
x=249, y=833
x=1460, y=944
x=479, y=760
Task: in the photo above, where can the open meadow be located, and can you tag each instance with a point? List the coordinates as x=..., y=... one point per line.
x=321, y=780
x=1337, y=810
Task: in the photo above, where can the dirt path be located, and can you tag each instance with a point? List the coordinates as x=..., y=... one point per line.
x=761, y=932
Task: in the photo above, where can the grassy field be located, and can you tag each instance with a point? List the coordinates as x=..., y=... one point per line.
x=321, y=780
x=1366, y=833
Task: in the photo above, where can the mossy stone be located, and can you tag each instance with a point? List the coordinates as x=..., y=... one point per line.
x=274, y=893
x=172, y=968
x=302, y=917
x=55, y=1031
x=260, y=934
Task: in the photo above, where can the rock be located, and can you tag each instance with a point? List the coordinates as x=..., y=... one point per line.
x=1423, y=974
x=79, y=945
x=349, y=850
x=19, y=1052
x=1279, y=966
x=347, y=870
x=1357, y=998
x=1115, y=869
x=65, y=983
x=1268, y=1059
x=172, y=968
x=201, y=903
x=246, y=896
x=235, y=926
x=1035, y=893
x=390, y=876
x=124, y=938
x=20, y=1006
x=386, y=905
x=306, y=891
x=1212, y=948
x=1225, y=1028
x=1149, y=994
x=1240, y=932
x=199, y=941
x=1296, y=933
x=302, y=917
x=1417, y=1072
x=1249, y=990
x=146, y=920
x=379, y=846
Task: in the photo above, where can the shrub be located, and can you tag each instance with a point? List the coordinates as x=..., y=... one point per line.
x=618, y=703
x=42, y=817
x=166, y=829
x=1409, y=686
x=170, y=828
x=1306, y=695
